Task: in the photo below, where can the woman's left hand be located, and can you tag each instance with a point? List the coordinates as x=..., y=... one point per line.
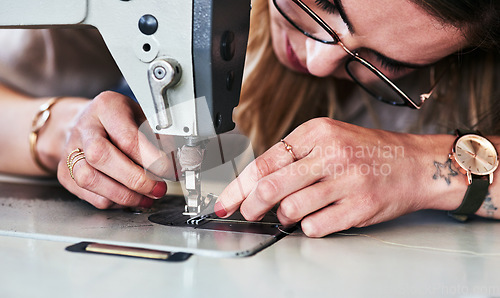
x=339, y=176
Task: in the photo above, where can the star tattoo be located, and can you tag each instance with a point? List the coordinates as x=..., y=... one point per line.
x=444, y=171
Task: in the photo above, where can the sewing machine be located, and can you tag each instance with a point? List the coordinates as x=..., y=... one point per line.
x=183, y=60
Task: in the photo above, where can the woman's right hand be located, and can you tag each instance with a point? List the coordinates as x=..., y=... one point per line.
x=116, y=155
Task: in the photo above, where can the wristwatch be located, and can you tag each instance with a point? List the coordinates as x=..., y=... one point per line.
x=475, y=156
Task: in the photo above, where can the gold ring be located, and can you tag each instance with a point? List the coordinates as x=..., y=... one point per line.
x=74, y=157
x=289, y=148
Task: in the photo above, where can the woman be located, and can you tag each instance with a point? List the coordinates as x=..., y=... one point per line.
x=335, y=177
x=329, y=175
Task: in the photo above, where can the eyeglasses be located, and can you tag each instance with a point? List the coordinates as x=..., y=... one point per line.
x=304, y=19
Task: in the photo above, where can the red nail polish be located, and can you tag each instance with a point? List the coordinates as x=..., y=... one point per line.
x=159, y=190
x=219, y=209
x=146, y=202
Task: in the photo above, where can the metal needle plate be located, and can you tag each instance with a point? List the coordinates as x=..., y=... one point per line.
x=49, y=212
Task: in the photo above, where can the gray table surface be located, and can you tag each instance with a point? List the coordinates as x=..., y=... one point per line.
x=424, y=254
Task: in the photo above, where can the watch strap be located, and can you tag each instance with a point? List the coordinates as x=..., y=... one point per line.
x=473, y=199
x=462, y=132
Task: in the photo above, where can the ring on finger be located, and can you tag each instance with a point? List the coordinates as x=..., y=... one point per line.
x=289, y=148
x=74, y=157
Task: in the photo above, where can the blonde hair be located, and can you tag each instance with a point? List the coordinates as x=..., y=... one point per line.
x=466, y=96
x=274, y=100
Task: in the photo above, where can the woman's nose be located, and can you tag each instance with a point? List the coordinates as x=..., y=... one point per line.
x=324, y=59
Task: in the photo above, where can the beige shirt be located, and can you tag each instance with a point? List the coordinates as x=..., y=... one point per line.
x=50, y=62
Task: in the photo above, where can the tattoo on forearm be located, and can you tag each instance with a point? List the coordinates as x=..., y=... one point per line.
x=444, y=171
x=489, y=206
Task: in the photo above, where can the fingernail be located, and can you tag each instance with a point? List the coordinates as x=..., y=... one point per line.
x=159, y=190
x=146, y=202
x=219, y=209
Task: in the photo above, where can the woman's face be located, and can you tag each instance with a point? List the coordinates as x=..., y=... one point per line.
x=396, y=36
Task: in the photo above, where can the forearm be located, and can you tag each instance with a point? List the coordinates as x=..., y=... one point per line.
x=444, y=184
x=18, y=111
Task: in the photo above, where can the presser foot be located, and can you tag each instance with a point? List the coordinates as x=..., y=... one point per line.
x=197, y=219
x=196, y=207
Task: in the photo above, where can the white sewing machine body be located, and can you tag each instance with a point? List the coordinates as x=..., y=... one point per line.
x=204, y=41
x=183, y=60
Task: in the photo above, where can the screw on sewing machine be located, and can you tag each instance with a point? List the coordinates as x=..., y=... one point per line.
x=160, y=72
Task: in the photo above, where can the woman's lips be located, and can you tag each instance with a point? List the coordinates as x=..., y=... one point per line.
x=293, y=59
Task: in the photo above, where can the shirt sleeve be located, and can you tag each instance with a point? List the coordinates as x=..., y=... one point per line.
x=56, y=62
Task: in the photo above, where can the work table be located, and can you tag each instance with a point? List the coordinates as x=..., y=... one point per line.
x=424, y=254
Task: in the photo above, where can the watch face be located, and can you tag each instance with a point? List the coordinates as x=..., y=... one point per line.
x=476, y=154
